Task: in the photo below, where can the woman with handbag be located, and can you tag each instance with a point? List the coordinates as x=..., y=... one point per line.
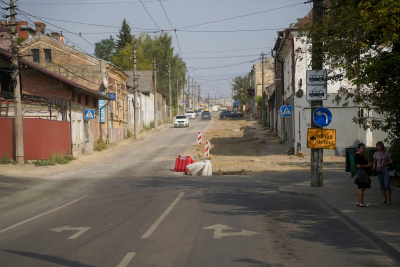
x=382, y=159
x=361, y=162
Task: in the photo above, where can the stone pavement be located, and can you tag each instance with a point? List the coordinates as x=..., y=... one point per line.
x=379, y=222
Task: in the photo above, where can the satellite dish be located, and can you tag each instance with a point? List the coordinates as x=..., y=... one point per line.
x=299, y=93
x=105, y=82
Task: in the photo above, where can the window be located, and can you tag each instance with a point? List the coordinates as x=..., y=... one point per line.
x=47, y=55
x=86, y=100
x=35, y=55
x=79, y=98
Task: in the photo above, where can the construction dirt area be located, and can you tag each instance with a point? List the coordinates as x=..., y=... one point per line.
x=241, y=146
x=237, y=147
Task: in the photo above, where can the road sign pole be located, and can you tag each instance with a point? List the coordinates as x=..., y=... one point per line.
x=317, y=168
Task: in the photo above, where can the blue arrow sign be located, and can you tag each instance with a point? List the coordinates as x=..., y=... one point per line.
x=322, y=117
x=286, y=111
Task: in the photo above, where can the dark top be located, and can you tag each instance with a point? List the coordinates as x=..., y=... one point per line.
x=359, y=159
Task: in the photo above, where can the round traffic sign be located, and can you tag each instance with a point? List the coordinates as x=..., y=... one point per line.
x=322, y=117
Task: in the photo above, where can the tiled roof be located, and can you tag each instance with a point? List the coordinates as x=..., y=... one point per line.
x=55, y=76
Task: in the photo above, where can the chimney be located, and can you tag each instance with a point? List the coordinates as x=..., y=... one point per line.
x=56, y=35
x=40, y=26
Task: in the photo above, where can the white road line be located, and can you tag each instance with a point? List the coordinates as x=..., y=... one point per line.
x=162, y=217
x=40, y=215
x=125, y=261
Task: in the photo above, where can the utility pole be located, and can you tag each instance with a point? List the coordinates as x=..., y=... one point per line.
x=193, y=85
x=198, y=96
x=169, y=93
x=263, y=114
x=317, y=170
x=19, y=136
x=187, y=95
x=177, y=95
x=155, y=92
x=135, y=94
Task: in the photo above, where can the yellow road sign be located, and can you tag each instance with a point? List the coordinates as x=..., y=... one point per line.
x=321, y=138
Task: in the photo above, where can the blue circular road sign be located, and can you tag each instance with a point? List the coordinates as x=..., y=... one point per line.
x=322, y=117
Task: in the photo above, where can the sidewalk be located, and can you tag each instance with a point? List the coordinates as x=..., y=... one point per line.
x=379, y=222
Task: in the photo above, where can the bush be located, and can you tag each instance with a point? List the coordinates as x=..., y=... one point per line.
x=54, y=159
x=6, y=159
x=100, y=145
x=129, y=134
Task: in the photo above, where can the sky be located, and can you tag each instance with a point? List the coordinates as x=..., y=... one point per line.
x=218, y=39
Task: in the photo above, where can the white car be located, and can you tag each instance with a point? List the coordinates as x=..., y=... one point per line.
x=181, y=121
x=190, y=114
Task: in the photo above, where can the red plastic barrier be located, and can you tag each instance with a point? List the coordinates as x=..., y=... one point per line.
x=176, y=168
x=181, y=162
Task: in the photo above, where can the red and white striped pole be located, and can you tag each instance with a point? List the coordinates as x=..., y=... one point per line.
x=207, y=154
x=251, y=116
x=199, y=138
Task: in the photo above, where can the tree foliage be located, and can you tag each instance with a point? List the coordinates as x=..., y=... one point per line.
x=240, y=86
x=124, y=36
x=362, y=45
x=160, y=48
x=105, y=49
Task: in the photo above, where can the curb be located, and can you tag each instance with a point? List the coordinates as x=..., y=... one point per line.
x=389, y=250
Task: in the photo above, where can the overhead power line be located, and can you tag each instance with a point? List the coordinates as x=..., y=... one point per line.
x=232, y=50
x=176, y=36
x=225, y=66
x=93, y=3
x=149, y=15
x=241, y=16
x=220, y=57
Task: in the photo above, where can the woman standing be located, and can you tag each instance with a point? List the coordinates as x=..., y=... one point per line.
x=382, y=159
x=362, y=162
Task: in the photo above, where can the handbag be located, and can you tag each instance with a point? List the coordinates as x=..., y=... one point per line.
x=362, y=177
x=392, y=170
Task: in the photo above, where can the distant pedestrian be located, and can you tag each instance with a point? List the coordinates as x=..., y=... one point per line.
x=361, y=162
x=382, y=159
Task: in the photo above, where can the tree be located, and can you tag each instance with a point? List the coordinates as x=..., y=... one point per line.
x=240, y=86
x=148, y=48
x=361, y=37
x=105, y=49
x=124, y=36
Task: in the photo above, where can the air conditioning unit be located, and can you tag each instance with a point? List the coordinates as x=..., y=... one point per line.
x=119, y=103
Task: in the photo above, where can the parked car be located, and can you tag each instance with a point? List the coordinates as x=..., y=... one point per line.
x=206, y=115
x=198, y=112
x=181, y=121
x=190, y=114
x=230, y=114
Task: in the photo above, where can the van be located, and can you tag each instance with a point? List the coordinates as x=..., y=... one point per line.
x=223, y=109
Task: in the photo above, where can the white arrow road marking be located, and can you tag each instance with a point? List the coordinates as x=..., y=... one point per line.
x=81, y=230
x=218, y=228
x=127, y=259
x=40, y=215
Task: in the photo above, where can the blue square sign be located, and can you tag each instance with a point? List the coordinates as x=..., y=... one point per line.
x=286, y=111
x=89, y=114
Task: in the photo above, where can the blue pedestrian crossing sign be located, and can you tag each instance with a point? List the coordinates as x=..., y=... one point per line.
x=286, y=111
x=89, y=114
x=322, y=117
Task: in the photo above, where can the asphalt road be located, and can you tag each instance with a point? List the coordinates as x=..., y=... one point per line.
x=133, y=210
